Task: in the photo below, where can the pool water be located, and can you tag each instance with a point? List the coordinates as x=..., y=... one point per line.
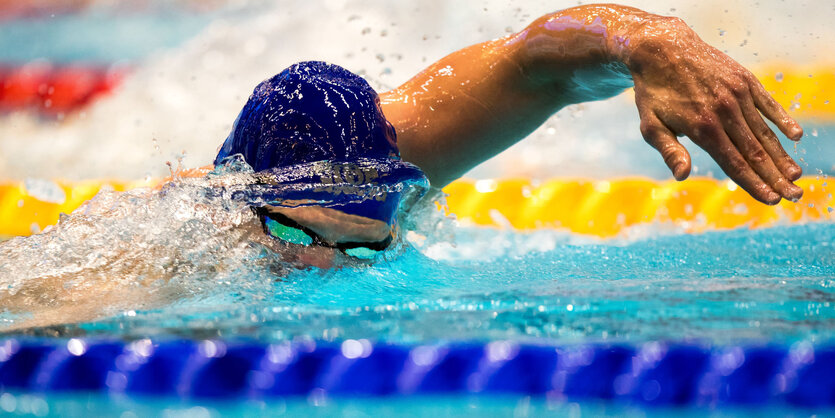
x=411, y=407
x=177, y=262
x=771, y=285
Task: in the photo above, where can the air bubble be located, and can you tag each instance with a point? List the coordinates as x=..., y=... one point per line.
x=779, y=77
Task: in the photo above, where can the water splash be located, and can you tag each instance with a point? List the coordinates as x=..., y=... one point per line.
x=193, y=239
x=45, y=190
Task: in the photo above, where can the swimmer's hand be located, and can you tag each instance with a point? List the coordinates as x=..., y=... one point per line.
x=684, y=86
x=477, y=102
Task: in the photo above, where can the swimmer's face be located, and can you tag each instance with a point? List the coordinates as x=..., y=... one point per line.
x=332, y=228
x=336, y=226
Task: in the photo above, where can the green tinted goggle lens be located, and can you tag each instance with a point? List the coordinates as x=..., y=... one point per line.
x=276, y=226
x=287, y=233
x=361, y=252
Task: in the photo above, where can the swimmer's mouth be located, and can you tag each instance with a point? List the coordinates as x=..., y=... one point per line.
x=282, y=227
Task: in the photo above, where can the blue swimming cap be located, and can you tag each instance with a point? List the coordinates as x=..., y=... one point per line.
x=315, y=114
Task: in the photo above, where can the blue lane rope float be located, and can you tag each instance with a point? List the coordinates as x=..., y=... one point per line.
x=653, y=374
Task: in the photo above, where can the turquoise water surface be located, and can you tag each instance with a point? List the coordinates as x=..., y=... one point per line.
x=771, y=285
x=416, y=406
x=442, y=282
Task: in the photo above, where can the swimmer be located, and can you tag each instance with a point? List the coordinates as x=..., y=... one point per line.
x=317, y=135
x=477, y=102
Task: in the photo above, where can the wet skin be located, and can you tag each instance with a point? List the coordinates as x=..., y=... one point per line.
x=478, y=101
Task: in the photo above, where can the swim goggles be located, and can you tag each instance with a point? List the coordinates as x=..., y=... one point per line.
x=285, y=229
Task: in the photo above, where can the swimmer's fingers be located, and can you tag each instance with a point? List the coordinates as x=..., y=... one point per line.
x=750, y=146
x=662, y=139
x=773, y=111
x=787, y=166
x=713, y=138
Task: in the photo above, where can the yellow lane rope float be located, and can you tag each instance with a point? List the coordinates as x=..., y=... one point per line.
x=601, y=208
x=805, y=91
x=605, y=208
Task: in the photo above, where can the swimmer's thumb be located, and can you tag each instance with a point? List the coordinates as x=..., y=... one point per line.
x=665, y=142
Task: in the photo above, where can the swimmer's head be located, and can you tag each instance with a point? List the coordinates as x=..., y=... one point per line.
x=316, y=133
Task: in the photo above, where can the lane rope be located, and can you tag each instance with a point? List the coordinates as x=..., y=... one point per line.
x=599, y=208
x=54, y=90
x=656, y=373
x=48, y=88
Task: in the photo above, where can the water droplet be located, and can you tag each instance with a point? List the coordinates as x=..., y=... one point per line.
x=721, y=32
x=45, y=190
x=779, y=77
x=76, y=347
x=814, y=132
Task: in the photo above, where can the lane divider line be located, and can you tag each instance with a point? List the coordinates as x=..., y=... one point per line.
x=598, y=208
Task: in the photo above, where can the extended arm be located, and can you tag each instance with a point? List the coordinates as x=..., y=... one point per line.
x=478, y=101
